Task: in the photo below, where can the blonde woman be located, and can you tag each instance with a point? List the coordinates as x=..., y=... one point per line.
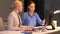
x=14, y=20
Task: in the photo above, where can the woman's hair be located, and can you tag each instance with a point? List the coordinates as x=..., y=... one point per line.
x=14, y=4
x=30, y=2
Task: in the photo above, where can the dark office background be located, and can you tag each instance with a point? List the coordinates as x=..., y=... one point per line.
x=51, y=6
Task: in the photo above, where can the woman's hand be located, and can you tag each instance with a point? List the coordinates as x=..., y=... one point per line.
x=23, y=28
x=44, y=21
x=30, y=27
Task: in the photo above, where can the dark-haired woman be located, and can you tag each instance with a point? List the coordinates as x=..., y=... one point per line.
x=30, y=18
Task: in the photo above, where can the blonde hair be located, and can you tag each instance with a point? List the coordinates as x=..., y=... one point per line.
x=15, y=3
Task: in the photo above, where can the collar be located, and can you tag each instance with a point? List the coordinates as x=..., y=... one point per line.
x=30, y=15
x=15, y=12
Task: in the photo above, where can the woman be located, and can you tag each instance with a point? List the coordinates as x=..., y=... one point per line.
x=30, y=17
x=14, y=20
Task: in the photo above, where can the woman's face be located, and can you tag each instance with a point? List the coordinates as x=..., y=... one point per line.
x=31, y=7
x=20, y=6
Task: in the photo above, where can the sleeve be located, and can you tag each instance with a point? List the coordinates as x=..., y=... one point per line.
x=38, y=20
x=10, y=23
x=23, y=19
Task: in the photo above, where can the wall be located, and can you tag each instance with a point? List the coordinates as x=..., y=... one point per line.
x=5, y=8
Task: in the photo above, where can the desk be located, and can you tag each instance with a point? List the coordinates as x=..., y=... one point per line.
x=56, y=31
x=19, y=32
x=9, y=32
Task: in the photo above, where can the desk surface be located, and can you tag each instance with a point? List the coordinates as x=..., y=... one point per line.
x=19, y=32
x=10, y=32
x=48, y=31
